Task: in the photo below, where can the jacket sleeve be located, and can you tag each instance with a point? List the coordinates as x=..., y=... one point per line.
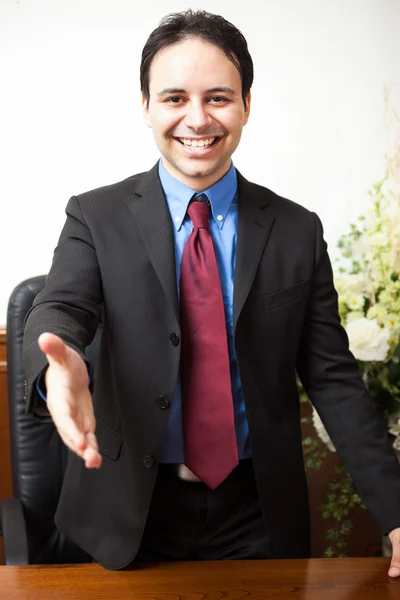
x=70, y=303
x=332, y=380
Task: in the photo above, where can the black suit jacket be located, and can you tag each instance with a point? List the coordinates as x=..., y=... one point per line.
x=116, y=255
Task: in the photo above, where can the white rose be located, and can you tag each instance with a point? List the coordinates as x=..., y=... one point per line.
x=367, y=340
x=392, y=322
x=355, y=301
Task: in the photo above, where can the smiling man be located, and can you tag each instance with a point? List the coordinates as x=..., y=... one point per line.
x=214, y=292
x=196, y=107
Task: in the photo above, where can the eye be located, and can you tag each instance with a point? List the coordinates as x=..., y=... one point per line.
x=219, y=99
x=174, y=100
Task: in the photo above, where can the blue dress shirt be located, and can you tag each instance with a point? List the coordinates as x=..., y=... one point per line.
x=223, y=197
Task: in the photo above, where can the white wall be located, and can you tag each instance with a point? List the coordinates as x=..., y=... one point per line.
x=70, y=115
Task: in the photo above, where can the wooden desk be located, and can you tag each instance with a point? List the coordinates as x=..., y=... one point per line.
x=315, y=579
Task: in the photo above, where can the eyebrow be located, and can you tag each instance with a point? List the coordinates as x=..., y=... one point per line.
x=220, y=89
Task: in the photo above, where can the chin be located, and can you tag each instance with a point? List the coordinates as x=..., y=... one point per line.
x=198, y=169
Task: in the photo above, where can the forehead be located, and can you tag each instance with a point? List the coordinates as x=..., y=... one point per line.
x=194, y=63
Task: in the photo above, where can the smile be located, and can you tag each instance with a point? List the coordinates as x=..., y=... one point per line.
x=197, y=143
x=198, y=147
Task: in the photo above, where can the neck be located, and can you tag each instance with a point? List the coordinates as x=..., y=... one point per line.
x=198, y=183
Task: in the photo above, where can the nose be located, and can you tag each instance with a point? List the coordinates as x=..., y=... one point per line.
x=197, y=117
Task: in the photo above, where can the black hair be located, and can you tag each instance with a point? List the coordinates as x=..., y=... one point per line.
x=177, y=27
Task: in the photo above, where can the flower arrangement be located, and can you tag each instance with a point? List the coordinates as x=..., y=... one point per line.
x=368, y=284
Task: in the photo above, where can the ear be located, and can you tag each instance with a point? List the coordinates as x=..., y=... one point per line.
x=145, y=110
x=247, y=109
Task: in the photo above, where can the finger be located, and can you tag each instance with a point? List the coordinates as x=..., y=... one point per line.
x=70, y=445
x=89, y=454
x=91, y=441
x=394, y=536
x=70, y=430
x=92, y=456
x=394, y=570
x=53, y=346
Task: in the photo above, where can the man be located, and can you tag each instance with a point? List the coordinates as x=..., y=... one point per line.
x=186, y=444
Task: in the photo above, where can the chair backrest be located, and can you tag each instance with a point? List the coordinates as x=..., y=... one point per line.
x=38, y=456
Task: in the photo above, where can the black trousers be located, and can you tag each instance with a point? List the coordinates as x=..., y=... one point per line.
x=189, y=521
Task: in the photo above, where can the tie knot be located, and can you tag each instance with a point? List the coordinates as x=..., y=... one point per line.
x=199, y=211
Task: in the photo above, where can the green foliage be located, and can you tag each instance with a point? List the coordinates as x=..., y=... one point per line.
x=314, y=453
x=341, y=498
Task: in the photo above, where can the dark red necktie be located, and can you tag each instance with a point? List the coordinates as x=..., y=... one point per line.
x=207, y=405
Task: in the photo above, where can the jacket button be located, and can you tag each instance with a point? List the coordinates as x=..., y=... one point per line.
x=174, y=339
x=148, y=461
x=162, y=402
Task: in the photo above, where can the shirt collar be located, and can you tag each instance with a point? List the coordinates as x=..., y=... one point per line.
x=178, y=195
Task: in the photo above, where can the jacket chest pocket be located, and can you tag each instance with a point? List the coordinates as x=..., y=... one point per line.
x=286, y=296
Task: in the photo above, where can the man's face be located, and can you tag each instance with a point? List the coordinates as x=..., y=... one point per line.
x=196, y=111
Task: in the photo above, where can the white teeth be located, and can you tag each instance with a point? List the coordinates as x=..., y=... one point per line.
x=197, y=143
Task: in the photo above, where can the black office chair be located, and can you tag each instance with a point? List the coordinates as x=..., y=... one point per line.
x=38, y=457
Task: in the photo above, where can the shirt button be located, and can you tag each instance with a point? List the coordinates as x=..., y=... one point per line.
x=162, y=402
x=148, y=461
x=174, y=339
x=177, y=219
x=220, y=218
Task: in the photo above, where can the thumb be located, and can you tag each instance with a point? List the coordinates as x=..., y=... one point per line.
x=394, y=570
x=53, y=346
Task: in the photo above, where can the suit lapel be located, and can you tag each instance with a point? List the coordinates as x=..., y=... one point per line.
x=254, y=226
x=150, y=211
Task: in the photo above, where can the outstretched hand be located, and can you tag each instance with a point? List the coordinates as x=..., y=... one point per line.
x=69, y=400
